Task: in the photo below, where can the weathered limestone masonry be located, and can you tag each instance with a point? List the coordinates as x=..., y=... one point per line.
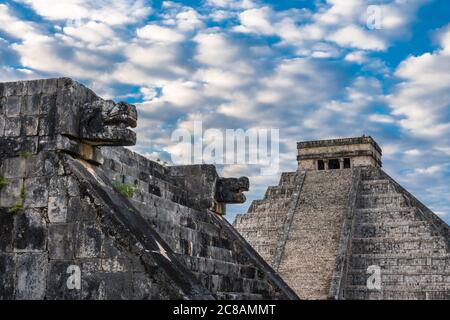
x=75, y=205
x=325, y=224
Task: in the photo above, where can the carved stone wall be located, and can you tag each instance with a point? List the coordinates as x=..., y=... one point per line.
x=125, y=226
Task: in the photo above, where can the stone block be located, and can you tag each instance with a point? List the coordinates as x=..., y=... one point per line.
x=36, y=192
x=46, y=125
x=2, y=125
x=42, y=164
x=116, y=265
x=58, y=276
x=47, y=105
x=6, y=230
x=117, y=286
x=75, y=213
x=12, y=127
x=30, y=104
x=14, y=167
x=82, y=209
x=57, y=186
x=61, y=241
x=89, y=239
x=12, y=106
x=144, y=288
x=14, y=89
x=72, y=186
x=29, y=126
x=57, y=209
x=33, y=87
x=92, y=287
x=30, y=232
x=2, y=92
x=31, y=285
x=7, y=274
x=10, y=194
x=49, y=86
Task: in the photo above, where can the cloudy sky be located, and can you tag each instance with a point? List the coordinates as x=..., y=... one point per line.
x=313, y=69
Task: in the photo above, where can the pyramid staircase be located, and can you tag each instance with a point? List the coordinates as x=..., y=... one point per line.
x=263, y=229
x=394, y=231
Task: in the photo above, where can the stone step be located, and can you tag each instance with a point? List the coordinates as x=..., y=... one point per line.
x=225, y=285
x=256, y=236
x=395, y=245
x=388, y=293
x=328, y=177
x=393, y=229
x=382, y=200
x=145, y=198
x=376, y=187
x=279, y=193
x=441, y=268
x=238, y=296
x=363, y=261
x=413, y=287
x=287, y=179
x=266, y=251
x=386, y=215
x=372, y=174
x=162, y=185
x=255, y=220
x=435, y=280
x=269, y=206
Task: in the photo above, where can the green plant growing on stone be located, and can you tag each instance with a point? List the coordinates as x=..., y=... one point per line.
x=3, y=181
x=125, y=189
x=25, y=154
x=16, y=208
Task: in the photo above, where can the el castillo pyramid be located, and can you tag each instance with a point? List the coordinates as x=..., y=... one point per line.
x=327, y=226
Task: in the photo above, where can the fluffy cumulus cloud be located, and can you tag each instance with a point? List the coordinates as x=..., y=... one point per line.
x=423, y=96
x=318, y=71
x=112, y=12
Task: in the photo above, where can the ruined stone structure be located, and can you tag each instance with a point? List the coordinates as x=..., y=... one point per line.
x=83, y=218
x=326, y=227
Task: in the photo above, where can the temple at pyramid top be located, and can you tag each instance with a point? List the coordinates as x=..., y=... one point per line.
x=338, y=153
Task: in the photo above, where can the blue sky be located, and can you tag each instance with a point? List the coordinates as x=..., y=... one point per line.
x=313, y=69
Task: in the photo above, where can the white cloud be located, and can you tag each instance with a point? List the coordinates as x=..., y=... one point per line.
x=15, y=27
x=215, y=49
x=359, y=57
x=46, y=55
x=181, y=94
x=430, y=170
x=220, y=78
x=231, y=4
x=413, y=152
x=256, y=21
x=157, y=33
x=113, y=12
x=148, y=93
x=11, y=74
x=356, y=37
x=423, y=96
x=381, y=118
x=95, y=33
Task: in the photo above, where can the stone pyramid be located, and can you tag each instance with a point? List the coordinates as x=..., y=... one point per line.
x=341, y=228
